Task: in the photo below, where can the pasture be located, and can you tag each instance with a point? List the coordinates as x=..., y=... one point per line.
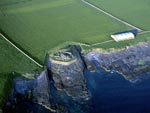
x=39, y=26
x=135, y=12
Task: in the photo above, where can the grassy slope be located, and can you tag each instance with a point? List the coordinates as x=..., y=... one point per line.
x=133, y=11
x=39, y=26
x=11, y=60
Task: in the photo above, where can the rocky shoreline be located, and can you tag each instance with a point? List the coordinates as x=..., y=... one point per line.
x=131, y=61
x=59, y=78
x=68, y=77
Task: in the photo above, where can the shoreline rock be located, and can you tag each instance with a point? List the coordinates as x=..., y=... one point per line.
x=34, y=91
x=131, y=61
x=69, y=77
x=41, y=92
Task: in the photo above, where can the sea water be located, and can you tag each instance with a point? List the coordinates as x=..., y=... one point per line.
x=112, y=93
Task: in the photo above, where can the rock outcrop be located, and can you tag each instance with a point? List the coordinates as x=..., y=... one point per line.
x=41, y=92
x=36, y=90
x=130, y=62
x=68, y=76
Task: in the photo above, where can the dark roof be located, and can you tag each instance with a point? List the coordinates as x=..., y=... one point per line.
x=134, y=31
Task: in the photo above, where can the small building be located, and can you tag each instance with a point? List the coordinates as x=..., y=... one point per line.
x=124, y=35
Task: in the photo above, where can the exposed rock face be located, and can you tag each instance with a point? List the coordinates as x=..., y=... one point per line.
x=23, y=87
x=36, y=90
x=0, y=111
x=41, y=90
x=68, y=76
x=131, y=61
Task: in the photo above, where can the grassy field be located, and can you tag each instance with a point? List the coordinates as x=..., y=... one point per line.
x=135, y=12
x=11, y=61
x=39, y=26
x=118, y=45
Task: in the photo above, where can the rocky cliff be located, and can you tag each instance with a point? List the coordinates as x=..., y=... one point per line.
x=68, y=76
x=131, y=61
x=41, y=92
x=25, y=91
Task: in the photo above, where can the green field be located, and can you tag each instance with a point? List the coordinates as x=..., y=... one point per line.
x=113, y=45
x=39, y=26
x=11, y=61
x=135, y=12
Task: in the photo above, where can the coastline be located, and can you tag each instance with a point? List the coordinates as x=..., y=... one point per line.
x=130, y=62
x=68, y=77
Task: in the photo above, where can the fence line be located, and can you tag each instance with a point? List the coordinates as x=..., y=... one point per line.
x=110, y=15
x=21, y=50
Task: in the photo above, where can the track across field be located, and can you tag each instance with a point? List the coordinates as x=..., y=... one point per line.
x=135, y=12
x=39, y=26
x=1, y=35
x=110, y=15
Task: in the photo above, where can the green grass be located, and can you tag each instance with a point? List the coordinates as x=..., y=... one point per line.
x=9, y=2
x=135, y=12
x=39, y=26
x=11, y=61
x=141, y=62
x=119, y=45
x=42, y=25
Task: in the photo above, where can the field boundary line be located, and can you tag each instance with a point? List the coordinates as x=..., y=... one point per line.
x=88, y=45
x=110, y=15
x=144, y=32
x=101, y=43
x=21, y=51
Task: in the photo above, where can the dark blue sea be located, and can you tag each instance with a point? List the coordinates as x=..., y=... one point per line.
x=112, y=93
